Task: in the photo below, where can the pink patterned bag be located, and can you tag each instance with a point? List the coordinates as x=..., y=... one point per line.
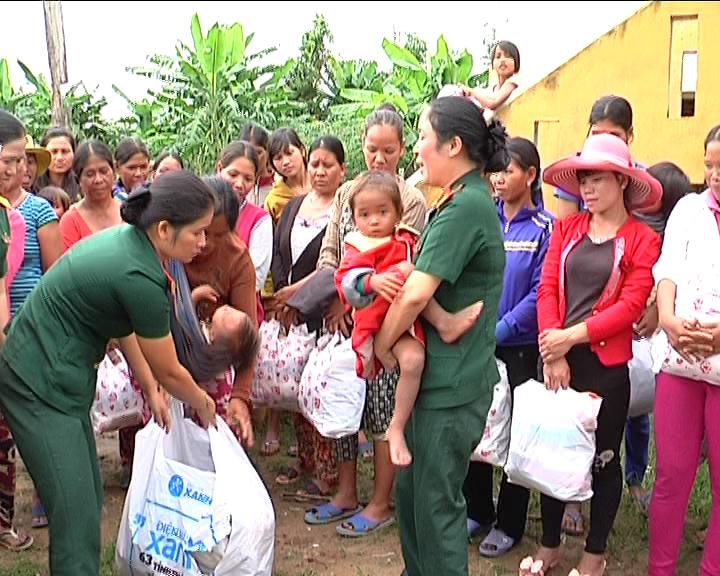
x=704, y=306
x=332, y=396
x=280, y=365
x=118, y=403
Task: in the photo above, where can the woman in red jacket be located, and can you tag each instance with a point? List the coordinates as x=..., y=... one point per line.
x=595, y=282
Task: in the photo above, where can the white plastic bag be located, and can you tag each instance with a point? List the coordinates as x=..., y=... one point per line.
x=642, y=378
x=118, y=404
x=332, y=396
x=280, y=365
x=552, y=441
x=493, y=448
x=195, y=506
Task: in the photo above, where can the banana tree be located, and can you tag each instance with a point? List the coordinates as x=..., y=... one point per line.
x=7, y=92
x=411, y=83
x=207, y=89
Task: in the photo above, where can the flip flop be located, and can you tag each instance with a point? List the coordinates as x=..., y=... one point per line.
x=328, y=513
x=39, y=516
x=15, y=541
x=573, y=523
x=359, y=526
x=312, y=491
x=496, y=544
x=287, y=475
x=531, y=567
x=643, y=502
x=270, y=447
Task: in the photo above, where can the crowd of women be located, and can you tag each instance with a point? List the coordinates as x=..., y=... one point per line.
x=100, y=251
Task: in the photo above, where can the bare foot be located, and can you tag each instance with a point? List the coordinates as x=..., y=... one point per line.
x=399, y=453
x=591, y=565
x=460, y=322
x=542, y=563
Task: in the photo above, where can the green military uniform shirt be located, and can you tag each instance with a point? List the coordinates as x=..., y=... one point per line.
x=107, y=286
x=463, y=245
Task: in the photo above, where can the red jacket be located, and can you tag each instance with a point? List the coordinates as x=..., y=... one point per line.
x=360, y=253
x=623, y=300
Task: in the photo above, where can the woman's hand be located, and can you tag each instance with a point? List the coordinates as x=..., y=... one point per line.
x=689, y=339
x=204, y=293
x=158, y=402
x=239, y=413
x=713, y=329
x=205, y=409
x=282, y=296
x=555, y=344
x=287, y=316
x=648, y=323
x=338, y=320
x=556, y=374
x=386, y=285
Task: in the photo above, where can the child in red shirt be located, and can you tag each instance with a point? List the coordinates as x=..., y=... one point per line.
x=377, y=259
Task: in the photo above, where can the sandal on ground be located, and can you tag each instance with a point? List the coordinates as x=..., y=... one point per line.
x=328, y=513
x=39, y=516
x=496, y=544
x=270, y=447
x=643, y=502
x=475, y=528
x=287, y=475
x=573, y=523
x=359, y=526
x=15, y=540
x=531, y=567
x=312, y=492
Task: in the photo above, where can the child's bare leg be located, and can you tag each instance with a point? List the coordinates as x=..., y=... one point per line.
x=410, y=355
x=452, y=327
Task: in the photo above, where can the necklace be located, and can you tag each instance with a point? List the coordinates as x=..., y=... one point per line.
x=596, y=239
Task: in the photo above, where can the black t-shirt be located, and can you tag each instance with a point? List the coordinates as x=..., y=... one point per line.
x=587, y=271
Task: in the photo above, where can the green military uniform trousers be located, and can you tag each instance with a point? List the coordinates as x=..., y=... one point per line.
x=429, y=498
x=59, y=452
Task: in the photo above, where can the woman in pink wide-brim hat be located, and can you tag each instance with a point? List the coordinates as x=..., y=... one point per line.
x=595, y=282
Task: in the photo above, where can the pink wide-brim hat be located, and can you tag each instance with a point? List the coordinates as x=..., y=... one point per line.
x=605, y=152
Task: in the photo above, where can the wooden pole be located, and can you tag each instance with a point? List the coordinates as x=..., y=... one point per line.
x=55, y=35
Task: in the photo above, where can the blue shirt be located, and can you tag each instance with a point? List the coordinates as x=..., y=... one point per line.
x=119, y=192
x=526, y=238
x=37, y=212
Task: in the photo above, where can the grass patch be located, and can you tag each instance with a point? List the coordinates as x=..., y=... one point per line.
x=23, y=567
x=107, y=561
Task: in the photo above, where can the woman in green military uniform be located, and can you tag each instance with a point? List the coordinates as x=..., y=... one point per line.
x=111, y=285
x=460, y=261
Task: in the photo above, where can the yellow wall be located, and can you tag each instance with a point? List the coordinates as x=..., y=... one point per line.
x=633, y=60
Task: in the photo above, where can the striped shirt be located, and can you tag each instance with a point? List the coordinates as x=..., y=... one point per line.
x=37, y=212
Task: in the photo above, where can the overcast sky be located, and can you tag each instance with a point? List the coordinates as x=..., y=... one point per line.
x=103, y=38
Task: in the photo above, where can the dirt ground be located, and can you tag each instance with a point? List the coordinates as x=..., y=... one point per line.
x=302, y=550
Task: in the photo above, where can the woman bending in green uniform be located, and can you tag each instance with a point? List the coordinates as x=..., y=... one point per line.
x=111, y=285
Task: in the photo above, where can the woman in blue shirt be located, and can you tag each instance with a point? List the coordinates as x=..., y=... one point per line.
x=526, y=228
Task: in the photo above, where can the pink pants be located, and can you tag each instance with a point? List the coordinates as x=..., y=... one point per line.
x=685, y=411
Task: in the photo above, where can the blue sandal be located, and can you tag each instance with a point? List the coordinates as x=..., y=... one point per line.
x=39, y=516
x=327, y=513
x=495, y=544
x=359, y=526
